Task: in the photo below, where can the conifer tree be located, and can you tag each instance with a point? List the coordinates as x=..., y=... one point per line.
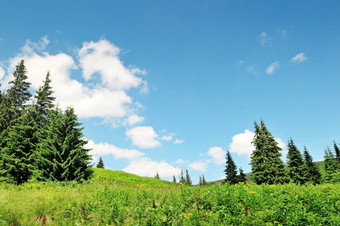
x=230, y=169
x=313, y=173
x=174, y=179
x=181, y=178
x=337, y=154
x=17, y=157
x=241, y=176
x=204, y=182
x=62, y=156
x=200, y=181
x=100, y=163
x=187, y=178
x=267, y=167
x=157, y=176
x=296, y=167
x=330, y=165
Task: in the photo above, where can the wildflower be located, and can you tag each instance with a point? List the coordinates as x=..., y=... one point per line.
x=251, y=192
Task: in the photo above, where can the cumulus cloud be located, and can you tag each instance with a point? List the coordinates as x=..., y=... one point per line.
x=167, y=138
x=134, y=119
x=107, y=79
x=264, y=38
x=199, y=166
x=299, y=58
x=143, y=137
x=273, y=67
x=217, y=154
x=178, y=141
x=2, y=73
x=147, y=167
x=241, y=143
x=101, y=149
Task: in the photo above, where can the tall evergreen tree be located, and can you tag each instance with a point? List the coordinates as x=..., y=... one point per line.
x=230, y=169
x=17, y=157
x=157, y=176
x=100, y=163
x=204, y=182
x=267, y=167
x=200, y=180
x=337, y=154
x=330, y=165
x=174, y=179
x=187, y=178
x=313, y=173
x=296, y=167
x=62, y=155
x=241, y=177
x=181, y=178
x=19, y=92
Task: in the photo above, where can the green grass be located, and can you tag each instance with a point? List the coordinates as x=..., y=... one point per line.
x=114, y=197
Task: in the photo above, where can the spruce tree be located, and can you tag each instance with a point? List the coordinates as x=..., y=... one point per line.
x=62, y=156
x=204, y=182
x=174, y=179
x=337, y=154
x=187, y=178
x=230, y=169
x=313, y=173
x=181, y=178
x=18, y=157
x=241, y=177
x=100, y=163
x=330, y=165
x=200, y=180
x=157, y=176
x=267, y=167
x=296, y=167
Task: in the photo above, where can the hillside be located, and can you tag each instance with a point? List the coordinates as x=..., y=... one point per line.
x=119, y=198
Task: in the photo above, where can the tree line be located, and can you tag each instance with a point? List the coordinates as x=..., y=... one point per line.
x=267, y=166
x=39, y=141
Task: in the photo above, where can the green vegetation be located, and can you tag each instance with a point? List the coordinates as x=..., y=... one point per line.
x=114, y=197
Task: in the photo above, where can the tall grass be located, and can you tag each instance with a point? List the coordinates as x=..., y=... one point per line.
x=114, y=197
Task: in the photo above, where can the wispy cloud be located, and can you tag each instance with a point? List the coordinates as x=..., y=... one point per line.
x=273, y=67
x=264, y=38
x=199, y=166
x=299, y=58
x=178, y=141
x=143, y=137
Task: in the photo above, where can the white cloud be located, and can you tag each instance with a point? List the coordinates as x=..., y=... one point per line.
x=102, y=149
x=264, y=38
x=241, y=143
x=143, y=137
x=148, y=167
x=2, y=73
x=134, y=119
x=199, y=166
x=103, y=96
x=181, y=161
x=217, y=154
x=167, y=138
x=299, y=58
x=178, y=141
x=273, y=67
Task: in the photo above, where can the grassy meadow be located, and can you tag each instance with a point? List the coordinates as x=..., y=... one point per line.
x=118, y=198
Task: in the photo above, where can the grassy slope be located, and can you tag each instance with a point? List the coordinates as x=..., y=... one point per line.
x=114, y=197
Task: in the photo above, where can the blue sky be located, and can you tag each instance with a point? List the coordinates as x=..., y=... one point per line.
x=169, y=85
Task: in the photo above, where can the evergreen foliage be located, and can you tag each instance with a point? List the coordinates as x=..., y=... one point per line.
x=313, y=173
x=296, y=167
x=330, y=165
x=267, y=167
x=204, y=182
x=181, y=178
x=62, y=156
x=174, y=179
x=337, y=154
x=230, y=169
x=157, y=176
x=242, y=176
x=187, y=178
x=100, y=163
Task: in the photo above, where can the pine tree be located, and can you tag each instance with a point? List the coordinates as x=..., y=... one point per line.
x=62, y=156
x=337, y=154
x=330, y=165
x=181, y=178
x=313, y=173
x=204, y=182
x=230, y=169
x=296, y=167
x=100, y=163
x=19, y=92
x=187, y=178
x=174, y=179
x=157, y=176
x=241, y=177
x=200, y=181
x=17, y=158
x=267, y=167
